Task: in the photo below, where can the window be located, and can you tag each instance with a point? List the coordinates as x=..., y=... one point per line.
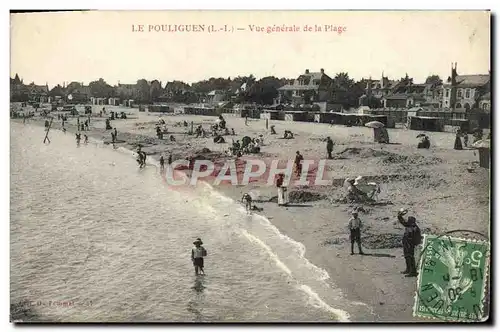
x=447, y=93
x=459, y=93
x=446, y=103
x=467, y=93
x=458, y=105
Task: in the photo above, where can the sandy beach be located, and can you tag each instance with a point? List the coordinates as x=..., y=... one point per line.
x=435, y=185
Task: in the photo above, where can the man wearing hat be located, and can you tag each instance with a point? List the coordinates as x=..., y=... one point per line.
x=412, y=237
x=355, y=231
x=197, y=254
x=298, y=163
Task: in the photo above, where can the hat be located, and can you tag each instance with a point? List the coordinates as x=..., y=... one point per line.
x=358, y=180
x=198, y=240
x=354, y=212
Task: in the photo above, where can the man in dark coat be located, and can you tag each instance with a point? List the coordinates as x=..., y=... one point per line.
x=329, y=147
x=411, y=239
x=298, y=163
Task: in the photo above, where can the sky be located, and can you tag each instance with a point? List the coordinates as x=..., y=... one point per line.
x=62, y=47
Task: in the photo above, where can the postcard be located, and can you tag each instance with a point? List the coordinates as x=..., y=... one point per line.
x=250, y=166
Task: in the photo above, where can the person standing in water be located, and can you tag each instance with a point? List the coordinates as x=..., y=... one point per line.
x=197, y=254
x=170, y=159
x=116, y=134
x=85, y=139
x=247, y=200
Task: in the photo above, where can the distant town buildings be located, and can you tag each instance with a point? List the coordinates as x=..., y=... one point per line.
x=467, y=91
x=380, y=88
x=309, y=91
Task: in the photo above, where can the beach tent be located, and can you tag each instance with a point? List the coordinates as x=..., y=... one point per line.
x=425, y=123
x=483, y=146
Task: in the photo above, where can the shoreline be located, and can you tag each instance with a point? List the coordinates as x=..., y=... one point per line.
x=372, y=279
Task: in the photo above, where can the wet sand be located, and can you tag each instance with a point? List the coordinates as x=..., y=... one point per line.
x=435, y=185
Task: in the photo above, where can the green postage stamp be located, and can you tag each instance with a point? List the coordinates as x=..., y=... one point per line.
x=452, y=279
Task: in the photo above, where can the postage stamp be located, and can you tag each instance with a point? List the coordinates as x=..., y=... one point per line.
x=452, y=279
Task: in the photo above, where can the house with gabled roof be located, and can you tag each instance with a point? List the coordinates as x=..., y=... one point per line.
x=381, y=87
x=485, y=102
x=38, y=93
x=308, y=88
x=465, y=91
x=216, y=96
x=405, y=93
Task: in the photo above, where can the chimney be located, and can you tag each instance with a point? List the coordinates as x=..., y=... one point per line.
x=322, y=71
x=307, y=71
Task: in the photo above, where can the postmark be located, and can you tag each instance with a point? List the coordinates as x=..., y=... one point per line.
x=452, y=279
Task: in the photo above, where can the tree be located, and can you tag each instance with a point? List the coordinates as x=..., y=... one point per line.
x=101, y=89
x=434, y=79
x=264, y=91
x=56, y=91
x=143, y=91
x=211, y=84
x=73, y=86
x=155, y=90
x=345, y=91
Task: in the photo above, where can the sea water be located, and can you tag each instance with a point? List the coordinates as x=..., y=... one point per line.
x=94, y=238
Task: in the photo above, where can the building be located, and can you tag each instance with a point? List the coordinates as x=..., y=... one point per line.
x=485, y=102
x=216, y=96
x=408, y=94
x=308, y=88
x=18, y=91
x=465, y=91
x=380, y=88
x=38, y=93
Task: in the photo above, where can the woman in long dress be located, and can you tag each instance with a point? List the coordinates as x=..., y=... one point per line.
x=282, y=194
x=458, y=141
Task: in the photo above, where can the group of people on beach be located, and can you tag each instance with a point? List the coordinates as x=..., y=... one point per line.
x=462, y=134
x=412, y=237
